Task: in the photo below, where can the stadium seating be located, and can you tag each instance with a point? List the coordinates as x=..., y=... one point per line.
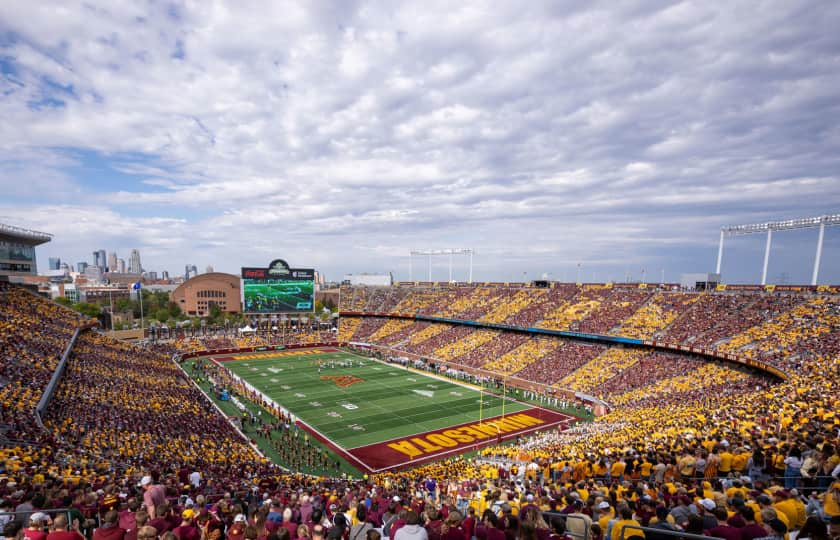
x=121, y=412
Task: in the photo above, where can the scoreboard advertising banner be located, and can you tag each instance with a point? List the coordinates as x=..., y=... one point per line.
x=278, y=289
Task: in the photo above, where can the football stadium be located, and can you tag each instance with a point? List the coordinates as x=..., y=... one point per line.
x=571, y=399
x=522, y=311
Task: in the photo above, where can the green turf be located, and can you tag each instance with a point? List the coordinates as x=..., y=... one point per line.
x=391, y=402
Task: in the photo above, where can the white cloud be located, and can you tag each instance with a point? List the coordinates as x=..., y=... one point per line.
x=538, y=134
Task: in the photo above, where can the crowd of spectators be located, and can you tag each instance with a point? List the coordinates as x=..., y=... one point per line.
x=472, y=341
x=559, y=362
x=390, y=326
x=529, y=352
x=603, y=367
x=662, y=309
x=34, y=333
x=501, y=344
x=615, y=308
x=697, y=444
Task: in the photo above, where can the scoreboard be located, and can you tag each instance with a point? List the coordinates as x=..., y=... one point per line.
x=278, y=289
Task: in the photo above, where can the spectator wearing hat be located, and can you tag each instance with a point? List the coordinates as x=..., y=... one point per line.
x=110, y=529
x=38, y=522
x=237, y=529
x=154, y=495
x=187, y=529
x=605, y=514
x=705, y=508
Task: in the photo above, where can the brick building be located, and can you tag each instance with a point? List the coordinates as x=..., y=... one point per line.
x=197, y=295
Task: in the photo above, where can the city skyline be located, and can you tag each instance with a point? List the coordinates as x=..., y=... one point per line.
x=616, y=136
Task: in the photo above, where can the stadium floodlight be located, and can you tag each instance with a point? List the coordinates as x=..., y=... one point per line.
x=822, y=222
x=434, y=252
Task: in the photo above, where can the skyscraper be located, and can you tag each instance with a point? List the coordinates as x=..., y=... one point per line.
x=112, y=262
x=165, y=274
x=55, y=263
x=134, y=266
x=99, y=259
x=190, y=271
x=121, y=266
x=81, y=266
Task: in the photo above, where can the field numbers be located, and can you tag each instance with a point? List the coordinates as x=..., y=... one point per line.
x=349, y=406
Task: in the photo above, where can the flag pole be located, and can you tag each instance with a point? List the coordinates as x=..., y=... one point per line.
x=139, y=288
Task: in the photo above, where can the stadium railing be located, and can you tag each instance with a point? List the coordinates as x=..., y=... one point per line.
x=655, y=532
x=44, y=402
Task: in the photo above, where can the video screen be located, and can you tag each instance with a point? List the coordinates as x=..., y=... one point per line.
x=278, y=295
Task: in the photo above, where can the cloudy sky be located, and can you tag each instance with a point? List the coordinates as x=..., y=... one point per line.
x=340, y=135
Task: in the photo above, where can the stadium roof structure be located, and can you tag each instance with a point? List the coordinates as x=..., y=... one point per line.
x=29, y=236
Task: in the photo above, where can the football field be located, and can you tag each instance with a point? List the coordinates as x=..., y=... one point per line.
x=381, y=416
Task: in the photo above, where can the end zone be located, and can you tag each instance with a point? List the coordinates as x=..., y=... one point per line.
x=419, y=448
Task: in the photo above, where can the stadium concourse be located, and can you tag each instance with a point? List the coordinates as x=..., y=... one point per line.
x=690, y=444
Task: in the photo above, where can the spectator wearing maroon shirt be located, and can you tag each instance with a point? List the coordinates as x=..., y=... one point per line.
x=469, y=523
x=160, y=522
x=723, y=529
x=187, y=529
x=751, y=530
x=110, y=529
x=127, y=519
x=237, y=530
x=37, y=522
x=61, y=530
x=488, y=529
x=141, y=518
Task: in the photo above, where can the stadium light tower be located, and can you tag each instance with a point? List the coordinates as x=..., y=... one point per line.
x=802, y=223
x=435, y=252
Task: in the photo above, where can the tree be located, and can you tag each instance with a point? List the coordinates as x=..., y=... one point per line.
x=66, y=302
x=88, y=310
x=162, y=315
x=215, y=312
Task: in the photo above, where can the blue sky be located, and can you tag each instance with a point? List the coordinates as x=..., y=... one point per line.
x=340, y=135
